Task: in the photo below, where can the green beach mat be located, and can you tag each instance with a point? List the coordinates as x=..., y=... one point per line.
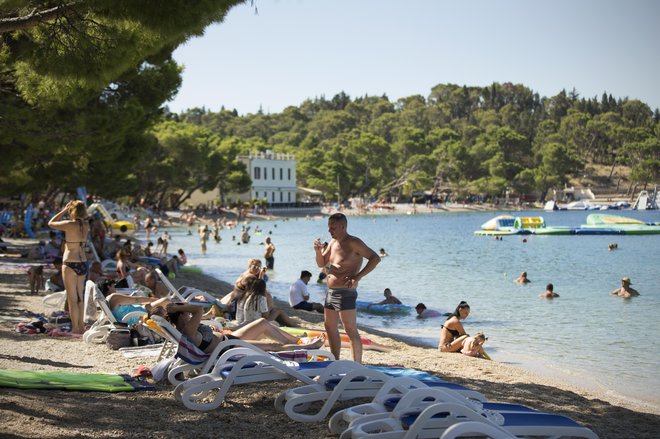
x=55, y=379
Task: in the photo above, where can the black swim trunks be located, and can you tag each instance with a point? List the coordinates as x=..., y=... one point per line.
x=341, y=299
x=80, y=268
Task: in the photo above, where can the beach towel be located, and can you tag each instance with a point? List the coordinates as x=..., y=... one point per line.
x=189, y=352
x=422, y=376
x=55, y=379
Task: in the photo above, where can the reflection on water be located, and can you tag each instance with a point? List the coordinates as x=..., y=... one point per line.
x=436, y=259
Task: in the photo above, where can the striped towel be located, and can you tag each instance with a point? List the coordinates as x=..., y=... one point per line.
x=189, y=352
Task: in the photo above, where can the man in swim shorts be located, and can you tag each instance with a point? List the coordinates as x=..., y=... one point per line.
x=343, y=259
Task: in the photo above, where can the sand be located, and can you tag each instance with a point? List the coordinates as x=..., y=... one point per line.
x=248, y=410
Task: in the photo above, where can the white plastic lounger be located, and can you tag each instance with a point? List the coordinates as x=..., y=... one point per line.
x=362, y=382
x=409, y=420
x=179, y=368
x=185, y=294
x=248, y=369
x=393, y=390
x=355, y=381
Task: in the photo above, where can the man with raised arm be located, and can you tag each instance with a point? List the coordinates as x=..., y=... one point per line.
x=343, y=258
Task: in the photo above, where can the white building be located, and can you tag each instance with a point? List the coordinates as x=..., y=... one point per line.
x=273, y=177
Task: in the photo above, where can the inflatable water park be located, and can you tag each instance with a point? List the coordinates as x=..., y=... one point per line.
x=597, y=224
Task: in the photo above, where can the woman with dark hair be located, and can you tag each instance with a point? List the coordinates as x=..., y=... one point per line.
x=74, y=268
x=253, y=305
x=187, y=319
x=452, y=334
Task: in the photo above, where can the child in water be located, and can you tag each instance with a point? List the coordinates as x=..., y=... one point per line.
x=473, y=346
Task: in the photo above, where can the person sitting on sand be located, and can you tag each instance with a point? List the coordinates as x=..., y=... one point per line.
x=549, y=292
x=124, y=265
x=424, y=313
x=187, y=319
x=625, y=290
x=240, y=288
x=182, y=257
x=299, y=296
x=253, y=305
x=240, y=285
x=389, y=299
x=55, y=282
x=474, y=346
x=452, y=334
x=522, y=279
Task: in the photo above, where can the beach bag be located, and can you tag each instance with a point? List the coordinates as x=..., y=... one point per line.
x=118, y=338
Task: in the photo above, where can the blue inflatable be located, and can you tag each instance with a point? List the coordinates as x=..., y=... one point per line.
x=382, y=309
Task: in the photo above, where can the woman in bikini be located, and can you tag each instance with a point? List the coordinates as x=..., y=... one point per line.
x=74, y=267
x=452, y=334
x=187, y=319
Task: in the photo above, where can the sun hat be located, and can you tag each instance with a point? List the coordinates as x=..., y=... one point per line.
x=626, y=280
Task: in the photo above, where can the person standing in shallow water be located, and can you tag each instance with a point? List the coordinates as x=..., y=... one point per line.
x=344, y=255
x=268, y=254
x=74, y=267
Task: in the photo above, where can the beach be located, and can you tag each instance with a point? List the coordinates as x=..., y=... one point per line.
x=248, y=409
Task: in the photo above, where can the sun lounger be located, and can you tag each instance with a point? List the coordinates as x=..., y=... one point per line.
x=182, y=366
x=185, y=294
x=393, y=390
x=207, y=364
x=249, y=369
x=361, y=382
x=413, y=417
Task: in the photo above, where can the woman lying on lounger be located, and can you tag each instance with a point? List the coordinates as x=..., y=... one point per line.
x=187, y=319
x=123, y=304
x=452, y=334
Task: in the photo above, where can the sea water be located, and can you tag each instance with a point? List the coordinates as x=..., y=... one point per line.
x=585, y=337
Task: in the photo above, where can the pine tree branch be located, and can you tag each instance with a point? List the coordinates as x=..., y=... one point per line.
x=33, y=18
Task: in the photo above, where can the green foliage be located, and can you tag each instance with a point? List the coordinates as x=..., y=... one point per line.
x=81, y=84
x=472, y=140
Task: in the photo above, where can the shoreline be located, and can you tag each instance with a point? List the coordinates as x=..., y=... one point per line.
x=60, y=414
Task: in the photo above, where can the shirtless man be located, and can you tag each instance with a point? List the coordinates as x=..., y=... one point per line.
x=268, y=254
x=344, y=256
x=625, y=290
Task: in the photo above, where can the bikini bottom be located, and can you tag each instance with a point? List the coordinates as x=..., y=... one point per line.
x=80, y=268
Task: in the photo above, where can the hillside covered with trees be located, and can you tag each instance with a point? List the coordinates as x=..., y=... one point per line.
x=470, y=140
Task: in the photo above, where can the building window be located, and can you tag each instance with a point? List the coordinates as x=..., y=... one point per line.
x=289, y=172
x=257, y=173
x=273, y=174
x=289, y=196
x=256, y=194
x=265, y=173
x=281, y=197
x=273, y=197
x=281, y=174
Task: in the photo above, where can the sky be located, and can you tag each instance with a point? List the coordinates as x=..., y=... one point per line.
x=293, y=50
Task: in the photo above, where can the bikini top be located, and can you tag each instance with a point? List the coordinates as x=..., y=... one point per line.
x=453, y=332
